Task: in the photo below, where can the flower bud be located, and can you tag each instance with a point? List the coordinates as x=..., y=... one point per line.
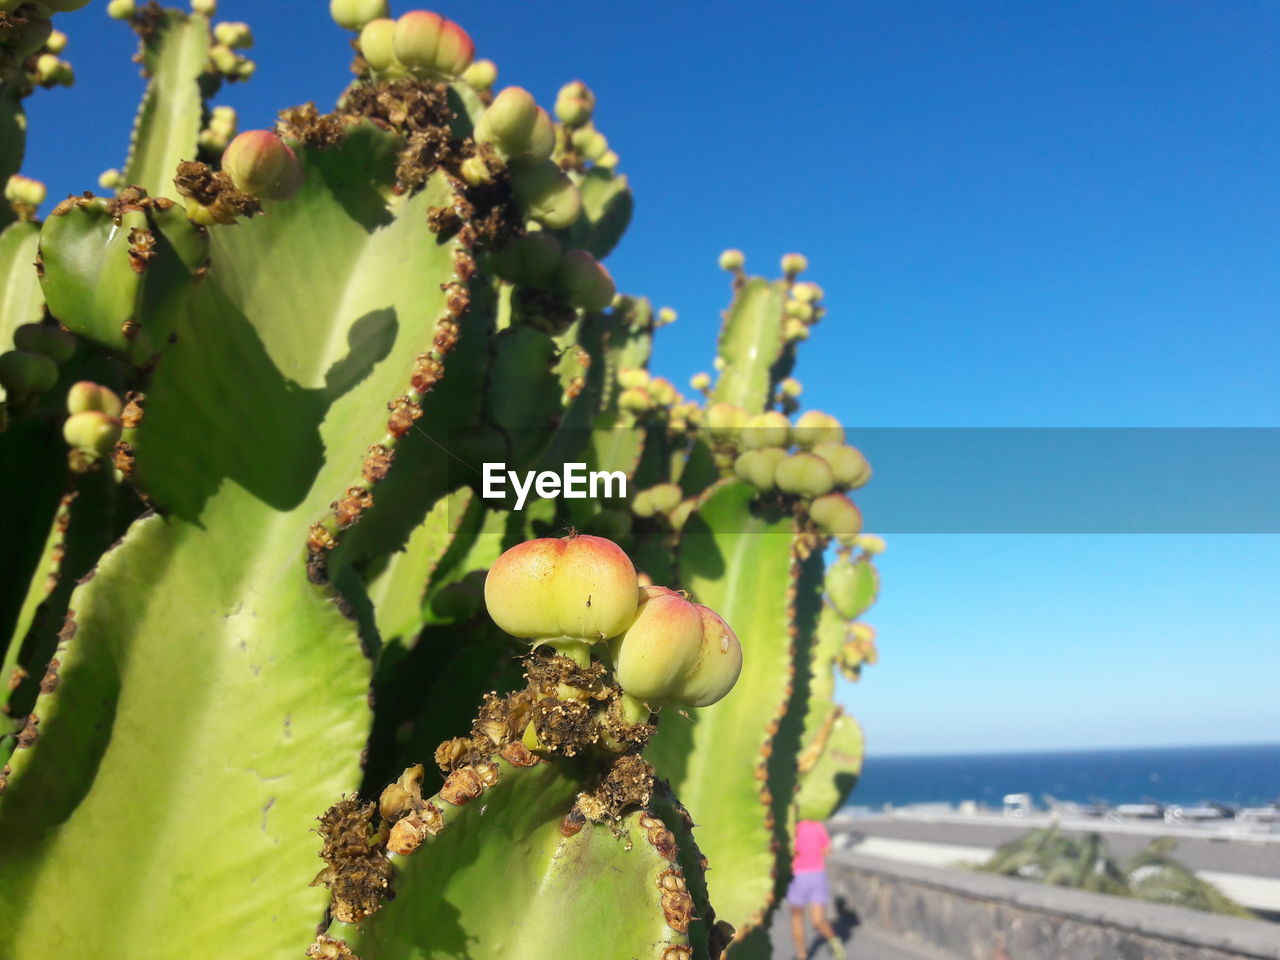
x=862, y=638
x=481, y=75
x=206, y=7
x=807, y=292
x=547, y=195
x=700, y=382
x=121, y=9
x=676, y=652
x=794, y=263
x=224, y=59
x=791, y=387
x=585, y=281
x=732, y=260
x=25, y=191
x=24, y=374
x=245, y=69
x=110, y=179
x=852, y=587
x=836, y=515
x=92, y=432
x=815, y=427
x=49, y=69
x=870, y=542
x=377, y=44
x=354, y=14
x=87, y=395
x=805, y=474
x=725, y=421
x=799, y=310
x=233, y=34
x=633, y=377
x=768, y=429
x=847, y=463
x=54, y=342
x=609, y=161
x=635, y=400
x=528, y=261
x=261, y=164
x=580, y=587
x=759, y=467
x=795, y=330
x=57, y=42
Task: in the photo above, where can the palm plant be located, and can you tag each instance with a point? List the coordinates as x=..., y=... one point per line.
x=1087, y=863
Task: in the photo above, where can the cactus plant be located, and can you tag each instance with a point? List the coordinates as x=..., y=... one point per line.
x=247, y=396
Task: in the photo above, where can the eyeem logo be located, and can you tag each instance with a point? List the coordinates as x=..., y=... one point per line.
x=574, y=483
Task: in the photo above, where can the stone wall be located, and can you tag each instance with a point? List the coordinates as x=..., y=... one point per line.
x=981, y=916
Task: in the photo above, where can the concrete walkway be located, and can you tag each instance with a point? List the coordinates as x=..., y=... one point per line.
x=860, y=942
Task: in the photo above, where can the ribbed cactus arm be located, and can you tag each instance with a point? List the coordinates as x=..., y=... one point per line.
x=189, y=795
x=20, y=298
x=830, y=757
x=751, y=341
x=502, y=871
x=175, y=56
x=212, y=694
x=739, y=562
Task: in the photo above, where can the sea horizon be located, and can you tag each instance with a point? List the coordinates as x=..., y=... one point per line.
x=1229, y=774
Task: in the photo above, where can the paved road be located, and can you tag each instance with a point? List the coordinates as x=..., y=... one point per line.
x=1217, y=855
x=860, y=942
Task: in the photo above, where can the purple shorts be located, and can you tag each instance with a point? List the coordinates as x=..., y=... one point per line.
x=808, y=888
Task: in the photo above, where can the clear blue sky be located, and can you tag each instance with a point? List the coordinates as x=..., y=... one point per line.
x=1023, y=214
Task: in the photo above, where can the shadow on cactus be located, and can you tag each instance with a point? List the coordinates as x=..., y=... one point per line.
x=247, y=395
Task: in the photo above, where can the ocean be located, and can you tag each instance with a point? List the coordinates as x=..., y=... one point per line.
x=1240, y=775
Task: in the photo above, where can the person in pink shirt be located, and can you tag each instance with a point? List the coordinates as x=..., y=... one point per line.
x=809, y=887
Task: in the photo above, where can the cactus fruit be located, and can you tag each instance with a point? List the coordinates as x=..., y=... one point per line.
x=481, y=75
x=804, y=474
x=122, y=9
x=815, y=427
x=377, y=44
x=429, y=46
x=768, y=429
x=547, y=194
x=760, y=467
x=25, y=375
x=676, y=652
x=54, y=342
x=847, y=463
x=585, y=281
x=354, y=14
x=92, y=432
x=576, y=588
x=836, y=515
x=86, y=395
x=261, y=164
x=725, y=421
x=662, y=498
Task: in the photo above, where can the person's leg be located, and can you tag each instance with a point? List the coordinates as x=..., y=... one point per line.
x=797, y=931
x=818, y=914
